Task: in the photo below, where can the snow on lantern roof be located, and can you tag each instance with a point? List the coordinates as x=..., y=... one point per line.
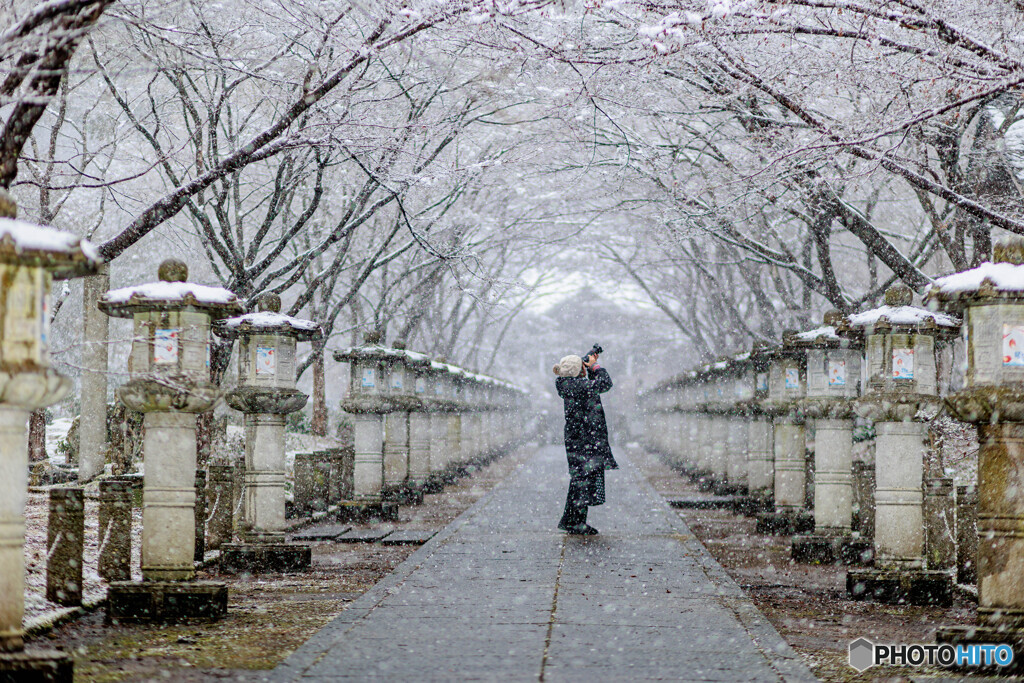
x=269, y=322
x=1003, y=277
x=901, y=315
x=171, y=291
x=63, y=253
x=824, y=332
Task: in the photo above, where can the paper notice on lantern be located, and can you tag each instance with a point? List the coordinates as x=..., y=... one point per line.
x=762, y=381
x=165, y=345
x=837, y=373
x=903, y=363
x=266, y=360
x=369, y=378
x=792, y=378
x=421, y=385
x=396, y=381
x=1013, y=345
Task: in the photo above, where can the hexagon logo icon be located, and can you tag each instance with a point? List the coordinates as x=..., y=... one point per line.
x=862, y=654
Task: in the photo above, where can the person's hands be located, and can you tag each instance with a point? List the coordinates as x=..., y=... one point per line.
x=591, y=360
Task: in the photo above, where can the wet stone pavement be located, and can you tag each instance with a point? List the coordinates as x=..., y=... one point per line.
x=501, y=594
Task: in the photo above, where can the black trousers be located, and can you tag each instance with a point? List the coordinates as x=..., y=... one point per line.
x=586, y=488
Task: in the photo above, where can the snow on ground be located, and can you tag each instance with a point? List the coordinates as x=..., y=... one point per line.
x=55, y=431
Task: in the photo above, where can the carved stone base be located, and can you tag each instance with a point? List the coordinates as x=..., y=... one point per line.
x=900, y=587
x=36, y=666
x=357, y=511
x=857, y=552
x=166, y=601
x=403, y=495
x=753, y=505
x=264, y=558
x=816, y=549
x=823, y=549
x=785, y=523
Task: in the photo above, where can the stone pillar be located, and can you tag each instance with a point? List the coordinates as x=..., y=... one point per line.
x=219, y=502
x=454, y=439
x=369, y=457
x=200, y=513
x=967, y=534
x=263, y=509
x=396, y=454
x=438, y=450
x=14, y=484
x=789, y=464
x=737, y=453
x=899, y=519
x=168, y=497
x=705, y=450
x=760, y=457
x=720, y=451
x=115, y=530
x=419, y=448
x=833, y=476
x=65, y=543
x=92, y=428
x=939, y=523
x=864, y=495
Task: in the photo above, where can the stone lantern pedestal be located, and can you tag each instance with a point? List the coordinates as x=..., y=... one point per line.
x=369, y=400
x=31, y=256
x=991, y=298
x=833, y=381
x=170, y=384
x=901, y=394
x=266, y=394
x=787, y=384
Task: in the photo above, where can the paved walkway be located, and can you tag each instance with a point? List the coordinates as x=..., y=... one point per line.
x=502, y=595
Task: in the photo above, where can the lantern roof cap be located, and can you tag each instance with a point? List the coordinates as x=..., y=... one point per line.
x=988, y=280
x=171, y=291
x=383, y=353
x=269, y=322
x=901, y=316
x=62, y=253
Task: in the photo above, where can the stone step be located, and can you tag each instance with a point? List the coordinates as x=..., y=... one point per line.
x=702, y=502
x=363, y=535
x=409, y=537
x=327, y=532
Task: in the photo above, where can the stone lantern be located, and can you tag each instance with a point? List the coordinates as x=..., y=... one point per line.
x=31, y=257
x=741, y=378
x=833, y=382
x=991, y=299
x=170, y=383
x=899, y=395
x=420, y=430
x=787, y=386
x=368, y=400
x=760, y=437
x=400, y=379
x=266, y=393
x=435, y=376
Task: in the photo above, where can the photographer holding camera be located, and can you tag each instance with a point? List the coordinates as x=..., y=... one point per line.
x=580, y=383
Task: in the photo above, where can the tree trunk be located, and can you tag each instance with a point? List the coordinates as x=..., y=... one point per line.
x=319, y=422
x=37, y=436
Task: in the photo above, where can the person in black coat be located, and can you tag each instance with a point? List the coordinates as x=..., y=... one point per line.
x=580, y=384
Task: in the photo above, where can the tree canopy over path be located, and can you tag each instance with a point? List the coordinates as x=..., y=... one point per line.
x=440, y=170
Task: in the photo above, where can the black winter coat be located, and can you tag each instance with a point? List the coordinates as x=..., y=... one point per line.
x=586, y=431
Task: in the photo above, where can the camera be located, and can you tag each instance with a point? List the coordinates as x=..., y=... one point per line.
x=595, y=350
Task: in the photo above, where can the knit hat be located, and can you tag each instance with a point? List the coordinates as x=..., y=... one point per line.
x=569, y=366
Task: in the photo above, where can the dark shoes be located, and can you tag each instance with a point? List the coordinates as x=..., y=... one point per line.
x=582, y=530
